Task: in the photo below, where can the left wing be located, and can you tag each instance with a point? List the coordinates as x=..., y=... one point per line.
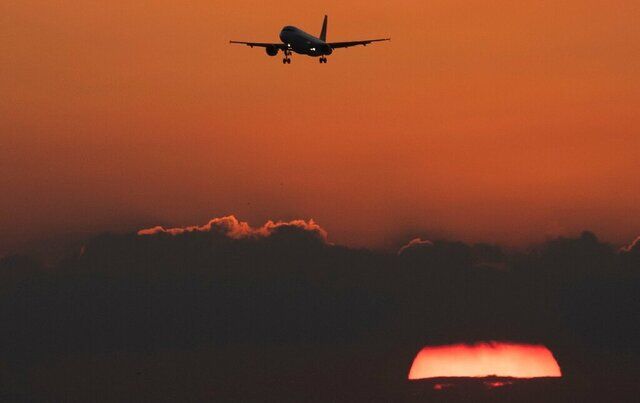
x=280, y=46
x=336, y=45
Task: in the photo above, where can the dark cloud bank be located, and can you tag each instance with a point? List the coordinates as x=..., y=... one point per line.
x=229, y=312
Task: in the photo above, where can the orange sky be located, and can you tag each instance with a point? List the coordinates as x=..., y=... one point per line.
x=491, y=121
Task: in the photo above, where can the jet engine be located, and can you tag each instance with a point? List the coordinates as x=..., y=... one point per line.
x=272, y=50
x=326, y=49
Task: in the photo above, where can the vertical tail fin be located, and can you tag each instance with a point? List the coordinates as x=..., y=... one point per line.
x=323, y=33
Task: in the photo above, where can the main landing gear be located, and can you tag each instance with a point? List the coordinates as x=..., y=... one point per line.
x=322, y=59
x=287, y=59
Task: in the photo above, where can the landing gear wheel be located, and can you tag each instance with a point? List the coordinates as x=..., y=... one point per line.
x=287, y=59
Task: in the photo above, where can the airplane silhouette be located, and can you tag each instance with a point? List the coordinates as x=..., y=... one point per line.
x=296, y=40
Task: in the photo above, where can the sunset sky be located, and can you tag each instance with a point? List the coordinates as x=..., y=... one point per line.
x=496, y=121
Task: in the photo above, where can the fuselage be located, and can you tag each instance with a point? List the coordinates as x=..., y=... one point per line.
x=303, y=43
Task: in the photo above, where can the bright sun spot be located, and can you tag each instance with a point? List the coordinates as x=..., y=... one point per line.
x=485, y=359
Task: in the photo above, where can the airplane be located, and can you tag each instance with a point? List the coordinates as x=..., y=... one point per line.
x=296, y=40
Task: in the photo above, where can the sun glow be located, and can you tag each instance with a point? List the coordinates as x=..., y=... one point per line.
x=485, y=359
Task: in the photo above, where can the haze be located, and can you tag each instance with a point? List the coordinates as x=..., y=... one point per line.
x=482, y=121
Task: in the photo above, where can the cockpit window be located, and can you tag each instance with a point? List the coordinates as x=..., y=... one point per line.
x=288, y=29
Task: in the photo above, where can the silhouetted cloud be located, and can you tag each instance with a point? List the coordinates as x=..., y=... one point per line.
x=227, y=284
x=415, y=243
x=633, y=246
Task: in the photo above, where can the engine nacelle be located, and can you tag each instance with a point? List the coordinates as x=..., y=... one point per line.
x=271, y=50
x=326, y=50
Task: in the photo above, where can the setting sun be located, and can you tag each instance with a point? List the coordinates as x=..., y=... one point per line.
x=485, y=359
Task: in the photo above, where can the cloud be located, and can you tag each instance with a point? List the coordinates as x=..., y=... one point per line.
x=226, y=283
x=633, y=246
x=236, y=229
x=415, y=243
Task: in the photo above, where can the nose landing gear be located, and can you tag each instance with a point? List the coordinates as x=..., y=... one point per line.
x=322, y=59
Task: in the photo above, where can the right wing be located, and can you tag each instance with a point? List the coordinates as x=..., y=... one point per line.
x=280, y=46
x=336, y=45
